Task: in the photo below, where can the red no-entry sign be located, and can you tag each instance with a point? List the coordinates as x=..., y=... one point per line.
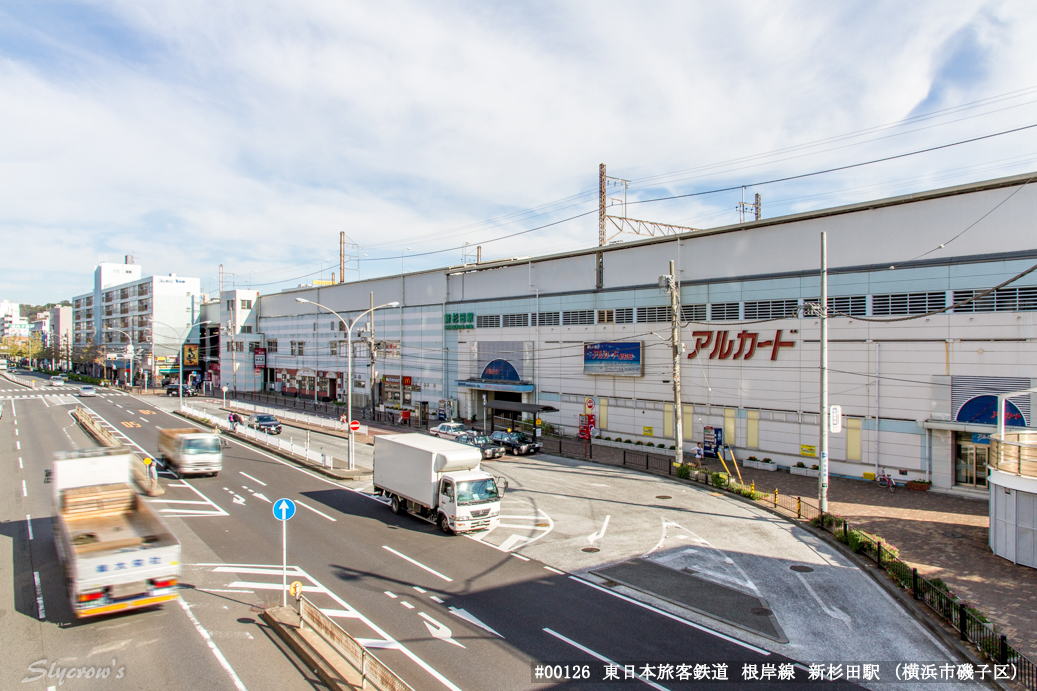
x=355, y=426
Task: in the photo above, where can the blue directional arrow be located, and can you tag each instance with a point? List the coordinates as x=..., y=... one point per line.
x=284, y=509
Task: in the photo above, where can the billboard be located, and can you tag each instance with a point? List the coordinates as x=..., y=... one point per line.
x=617, y=359
x=190, y=356
x=260, y=354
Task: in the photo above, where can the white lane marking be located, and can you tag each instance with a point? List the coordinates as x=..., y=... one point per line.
x=834, y=612
x=252, y=478
x=594, y=537
x=436, y=599
x=18, y=445
x=224, y=590
x=259, y=585
x=519, y=527
x=25, y=492
x=645, y=605
x=439, y=630
x=212, y=646
x=511, y=543
x=471, y=619
x=183, y=501
x=554, y=570
x=20, y=463
x=16, y=431
x=28, y=522
x=390, y=594
x=599, y=656
x=406, y=604
x=39, y=595
x=420, y=590
x=341, y=613
x=519, y=556
x=307, y=506
x=418, y=564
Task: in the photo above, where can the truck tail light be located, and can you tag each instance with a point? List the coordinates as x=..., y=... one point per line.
x=163, y=582
x=90, y=597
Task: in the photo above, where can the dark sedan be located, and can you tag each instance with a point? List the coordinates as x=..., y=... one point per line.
x=517, y=443
x=490, y=449
x=264, y=423
x=174, y=390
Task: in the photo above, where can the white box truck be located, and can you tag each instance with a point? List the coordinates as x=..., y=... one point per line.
x=116, y=553
x=437, y=480
x=190, y=451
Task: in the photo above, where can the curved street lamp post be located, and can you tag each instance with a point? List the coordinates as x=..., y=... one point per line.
x=350, y=465
x=180, y=355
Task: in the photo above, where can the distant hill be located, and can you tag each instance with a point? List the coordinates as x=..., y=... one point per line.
x=31, y=310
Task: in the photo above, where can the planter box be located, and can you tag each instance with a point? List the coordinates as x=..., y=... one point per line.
x=918, y=486
x=807, y=472
x=760, y=465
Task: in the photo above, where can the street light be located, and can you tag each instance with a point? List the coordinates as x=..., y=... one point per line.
x=130, y=349
x=180, y=355
x=349, y=367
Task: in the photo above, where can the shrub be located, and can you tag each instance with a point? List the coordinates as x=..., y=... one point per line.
x=683, y=472
x=752, y=458
x=627, y=441
x=767, y=460
x=815, y=467
x=650, y=444
x=672, y=447
x=639, y=443
x=608, y=438
x=719, y=479
x=801, y=464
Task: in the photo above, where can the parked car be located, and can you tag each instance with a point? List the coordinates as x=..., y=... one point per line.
x=448, y=430
x=264, y=423
x=517, y=443
x=174, y=390
x=490, y=449
x=87, y=390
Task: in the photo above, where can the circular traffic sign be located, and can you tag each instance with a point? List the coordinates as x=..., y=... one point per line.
x=284, y=509
x=354, y=426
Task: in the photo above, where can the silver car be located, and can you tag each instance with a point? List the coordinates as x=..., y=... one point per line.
x=87, y=390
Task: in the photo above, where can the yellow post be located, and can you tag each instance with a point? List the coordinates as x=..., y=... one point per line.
x=799, y=507
x=775, y=497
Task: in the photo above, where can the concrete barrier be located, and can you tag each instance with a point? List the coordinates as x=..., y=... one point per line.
x=141, y=475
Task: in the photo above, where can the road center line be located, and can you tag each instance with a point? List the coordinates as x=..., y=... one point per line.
x=25, y=492
x=307, y=506
x=599, y=657
x=20, y=463
x=418, y=564
x=39, y=596
x=212, y=646
x=252, y=478
x=28, y=522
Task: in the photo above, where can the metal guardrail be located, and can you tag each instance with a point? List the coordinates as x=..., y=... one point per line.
x=1016, y=453
x=289, y=447
x=141, y=472
x=372, y=670
x=315, y=420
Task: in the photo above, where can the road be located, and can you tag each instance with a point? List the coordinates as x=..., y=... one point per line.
x=441, y=611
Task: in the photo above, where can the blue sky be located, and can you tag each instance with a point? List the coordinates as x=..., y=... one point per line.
x=191, y=133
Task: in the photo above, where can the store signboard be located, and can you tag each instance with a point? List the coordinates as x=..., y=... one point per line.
x=617, y=359
x=260, y=355
x=190, y=356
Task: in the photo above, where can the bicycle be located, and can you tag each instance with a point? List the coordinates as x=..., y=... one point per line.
x=886, y=481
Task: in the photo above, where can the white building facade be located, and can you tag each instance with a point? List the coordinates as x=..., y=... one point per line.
x=915, y=384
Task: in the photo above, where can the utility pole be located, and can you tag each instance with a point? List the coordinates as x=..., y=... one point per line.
x=599, y=259
x=759, y=207
x=341, y=258
x=822, y=477
x=371, y=353
x=675, y=336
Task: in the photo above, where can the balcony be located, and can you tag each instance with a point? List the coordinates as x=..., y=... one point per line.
x=1016, y=454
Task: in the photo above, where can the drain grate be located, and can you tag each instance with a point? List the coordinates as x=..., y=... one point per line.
x=801, y=569
x=543, y=525
x=591, y=549
x=664, y=496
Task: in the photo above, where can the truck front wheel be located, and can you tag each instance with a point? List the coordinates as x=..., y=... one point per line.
x=444, y=525
x=394, y=504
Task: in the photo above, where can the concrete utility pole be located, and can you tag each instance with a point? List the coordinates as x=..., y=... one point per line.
x=341, y=258
x=675, y=336
x=371, y=353
x=822, y=476
x=601, y=205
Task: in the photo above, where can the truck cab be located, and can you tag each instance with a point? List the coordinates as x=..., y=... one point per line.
x=190, y=451
x=467, y=499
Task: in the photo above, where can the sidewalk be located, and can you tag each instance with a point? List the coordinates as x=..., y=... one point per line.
x=943, y=536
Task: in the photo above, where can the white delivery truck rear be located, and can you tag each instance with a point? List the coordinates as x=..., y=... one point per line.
x=437, y=480
x=189, y=451
x=117, y=554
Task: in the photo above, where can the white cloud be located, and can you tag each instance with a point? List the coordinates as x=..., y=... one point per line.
x=251, y=133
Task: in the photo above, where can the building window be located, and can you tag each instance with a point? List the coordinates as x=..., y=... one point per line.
x=488, y=321
x=230, y=305
x=142, y=289
x=578, y=317
x=229, y=347
x=252, y=346
x=246, y=329
x=771, y=309
x=548, y=319
x=693, y=313
x=514, y=320
x=297, y=347
x=625, y=315
x=840, y=306
x=723, y=311
x=246, y=304
x=271, y=346
x=907, y=303
x=606, y=317
x=333, y=345
x=1003, y=300
x=649, y=315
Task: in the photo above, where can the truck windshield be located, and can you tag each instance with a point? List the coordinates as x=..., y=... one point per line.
x=200, y=446
x=477, y=492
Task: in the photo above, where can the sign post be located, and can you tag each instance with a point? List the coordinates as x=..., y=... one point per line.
x=284, y=509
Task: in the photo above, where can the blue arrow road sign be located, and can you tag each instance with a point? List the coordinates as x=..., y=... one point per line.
x=284, y=509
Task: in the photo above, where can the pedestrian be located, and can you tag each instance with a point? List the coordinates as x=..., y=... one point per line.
x=231, y=421
x=697, y=452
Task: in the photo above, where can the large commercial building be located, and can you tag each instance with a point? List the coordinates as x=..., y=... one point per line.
x=589, y=331
x=149, y=317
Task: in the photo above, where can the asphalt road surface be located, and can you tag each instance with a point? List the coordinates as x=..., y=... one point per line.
x=441, y=611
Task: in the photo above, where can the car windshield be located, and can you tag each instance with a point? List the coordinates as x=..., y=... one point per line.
x=482, y=440
x=477, y=491
x=88, y=388
x=521, y=437
x=200, y=446
x=266, y=418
